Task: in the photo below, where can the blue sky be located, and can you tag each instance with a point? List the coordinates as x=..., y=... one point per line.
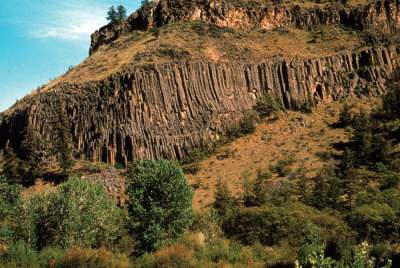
x=40, y=39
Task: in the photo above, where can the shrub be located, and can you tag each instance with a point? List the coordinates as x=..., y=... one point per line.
x=20, y=254
x=177, y=256
x=160, y=205
x=79, y=213
x=282, y=167
x=246, y=125
x=272, y=225
x=374, y=221
x=9, y=201
x=9, y=197
x=224, y=201
x=76, y=257
x=391, y=102
x=266, y=105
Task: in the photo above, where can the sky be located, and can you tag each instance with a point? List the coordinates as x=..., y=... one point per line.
x=41, y=39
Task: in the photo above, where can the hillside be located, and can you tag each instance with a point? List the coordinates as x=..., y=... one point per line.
x=213, y=133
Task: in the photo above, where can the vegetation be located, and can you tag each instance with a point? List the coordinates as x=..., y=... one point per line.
x=266, y=106
x=116, y=14
x=160, y=206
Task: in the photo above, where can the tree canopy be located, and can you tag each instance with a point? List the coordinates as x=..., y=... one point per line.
x=116, y=14
x=160, y=202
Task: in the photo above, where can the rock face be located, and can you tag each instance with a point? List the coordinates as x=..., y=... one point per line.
x=165, y=110
x=382, y=15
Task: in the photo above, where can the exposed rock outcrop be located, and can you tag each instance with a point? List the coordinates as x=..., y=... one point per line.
x=382, y=15
x=165, y=110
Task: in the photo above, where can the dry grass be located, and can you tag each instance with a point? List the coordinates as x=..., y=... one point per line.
x=80, y=257
x=199, y=41
x=299, y=141
x=301, y=137
x=40, y=186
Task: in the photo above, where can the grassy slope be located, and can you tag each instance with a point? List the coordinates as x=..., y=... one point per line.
x=304, y=139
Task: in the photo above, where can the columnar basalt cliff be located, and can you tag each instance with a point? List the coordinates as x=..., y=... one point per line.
x=382, y=15
x=165, y=110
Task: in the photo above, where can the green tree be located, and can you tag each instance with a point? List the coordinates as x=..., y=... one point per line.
x=32, y=151
x=374, y=221
x=63, y=141
x=327, y=189
x=224, y=201
x=160, y=202
x=145, y=3
x=79, y=213
x=9, y=201
x=15, y=169
x=121, y=13
x=391, y=102
x=112, y=15
x=256, y=193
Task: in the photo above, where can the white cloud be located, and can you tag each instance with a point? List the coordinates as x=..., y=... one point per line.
x=73, y=23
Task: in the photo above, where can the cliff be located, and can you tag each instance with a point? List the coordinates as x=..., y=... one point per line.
x=165, y=110
x=382, y=15
x=118, y=108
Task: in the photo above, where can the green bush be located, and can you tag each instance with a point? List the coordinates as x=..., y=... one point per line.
x=266, y=105
x=246, y=125
x=273, y=225
x=79, y=213
x=375, y=221
x=391, y=102
x=160, y=205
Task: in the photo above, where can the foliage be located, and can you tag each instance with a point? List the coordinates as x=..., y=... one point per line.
x=271, y=225
x=160, y=202
x=79, y=213
x=63, y=141
x=375, y=221
x=391, y=102
x=16, y=169
x=76, y=257
x=255, y=194
x=9, y=201
x=326, y=190
x=245, y=126
x=266, y=105
x=224, y=201
x=116, y=14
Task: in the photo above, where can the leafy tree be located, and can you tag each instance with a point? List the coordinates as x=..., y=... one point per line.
x=63, y=141
x=391, y=102
x=16, y=169
x=79, y=213
x=224, y=201
x=9, y=197
x=327, y=189
x=256, y=193
x=375, y=221
x=32, y=151
x=160, y=206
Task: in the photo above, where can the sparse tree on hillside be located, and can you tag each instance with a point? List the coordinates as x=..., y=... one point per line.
x=116, y=15
x=121, y=13
x=145, y=3
x=112, y=15
x=63, y=142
